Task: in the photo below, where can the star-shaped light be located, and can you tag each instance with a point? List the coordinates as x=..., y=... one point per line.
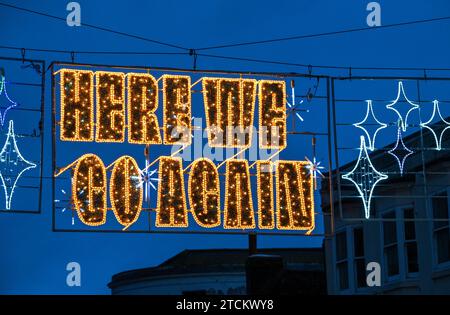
x=145, y=179
x=9, y=104
x=393, y=106
x=293, y=105
x=370, y=120
x=400, y=152
x=12, y=165
x=442, y=122
x=314, y=168
x=68, y=203
x=365, y=177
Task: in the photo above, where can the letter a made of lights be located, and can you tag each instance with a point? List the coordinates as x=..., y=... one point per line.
x=365, y=177
x=12, y=165
x=438, y=125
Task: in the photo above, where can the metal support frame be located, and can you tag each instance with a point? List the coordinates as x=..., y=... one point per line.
x=336, y=172
x=41, y=130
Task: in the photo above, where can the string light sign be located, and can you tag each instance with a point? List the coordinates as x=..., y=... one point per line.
x=114, y=107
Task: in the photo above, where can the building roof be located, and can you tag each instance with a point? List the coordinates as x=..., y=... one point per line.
x=219, y=261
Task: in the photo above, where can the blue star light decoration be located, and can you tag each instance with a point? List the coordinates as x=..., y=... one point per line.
x=441, y=123
x=365, y=177
x=315, y=169
x=370, y=120
x=9, y=104
x=12, y=165
x=395, y=107
x=400, y=152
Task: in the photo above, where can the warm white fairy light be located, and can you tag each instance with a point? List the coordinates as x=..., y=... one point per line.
x=77, y=105
x=143, y=126
x=129, y=101
x=238, y=210
x=89, y=190
x=229, y=108
x=295, y=196
x=126, y=198
x=265, y=191
x=110, y=122
x=171, y=208
x=272, y=114
x=177, y=109
x=204, y=193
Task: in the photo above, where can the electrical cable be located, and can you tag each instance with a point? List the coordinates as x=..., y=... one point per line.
x=94, y=26
x=297, y=37
x=92, y=52
x=320, y=66
x=265, y=61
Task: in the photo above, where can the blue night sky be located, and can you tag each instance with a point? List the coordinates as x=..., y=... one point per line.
x=33, y=258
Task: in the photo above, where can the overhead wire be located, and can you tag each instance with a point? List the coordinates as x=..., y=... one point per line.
x=101, y=28
x=236, y=58
x=297, y=37
x=195, y=52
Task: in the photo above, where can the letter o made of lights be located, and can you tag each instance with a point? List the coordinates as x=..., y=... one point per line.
x=125, y=192
x=89, y=190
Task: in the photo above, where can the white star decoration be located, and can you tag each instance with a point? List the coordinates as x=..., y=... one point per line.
x=413, y=106
x=10, y=103
x=293, y=105
x=443, y=122
x=145, y=180
x=402, y=153
x=365, y=177
x=12, y=165
x=69, y=204
x=314, y=168
x=377, y=122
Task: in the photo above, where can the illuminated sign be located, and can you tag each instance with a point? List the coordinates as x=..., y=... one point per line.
x=116, y=107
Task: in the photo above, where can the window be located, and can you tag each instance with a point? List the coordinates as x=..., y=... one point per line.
x=390, y=243
x=359, y=260
x=412, y=264
x=342, y=260
x=441, y=227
